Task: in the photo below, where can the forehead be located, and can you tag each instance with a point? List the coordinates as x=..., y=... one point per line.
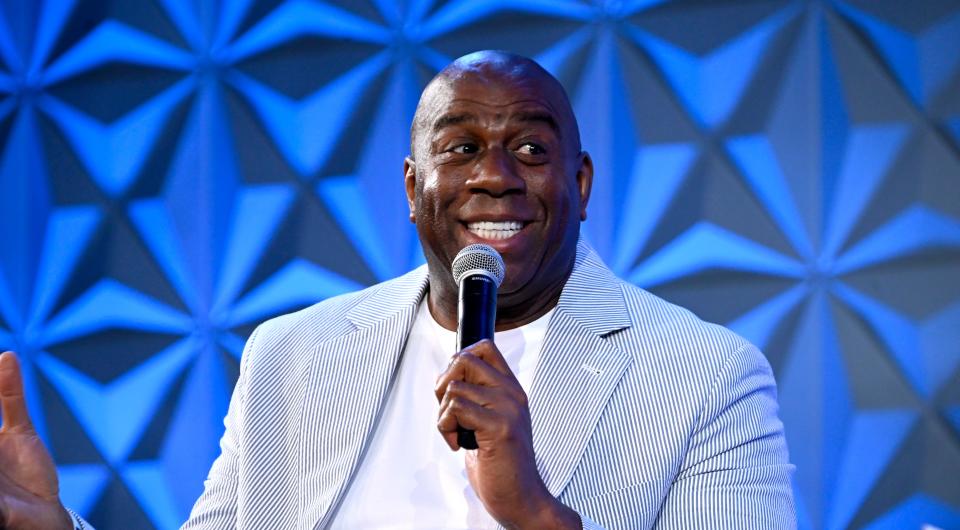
x=492, y=95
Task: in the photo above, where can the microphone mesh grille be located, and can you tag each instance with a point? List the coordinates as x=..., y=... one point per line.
x=478, y=256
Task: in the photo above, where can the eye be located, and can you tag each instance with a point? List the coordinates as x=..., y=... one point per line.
x=464, y=149
x=530, y=148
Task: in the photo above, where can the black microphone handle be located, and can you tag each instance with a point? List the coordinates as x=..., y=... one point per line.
x=476, y=317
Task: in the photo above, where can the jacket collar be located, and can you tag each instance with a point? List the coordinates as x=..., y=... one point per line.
x=396, y=296
x=592, y=295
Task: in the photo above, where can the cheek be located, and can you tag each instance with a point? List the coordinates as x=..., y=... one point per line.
x=561, y=201
x=431, y=203
x=429, y=183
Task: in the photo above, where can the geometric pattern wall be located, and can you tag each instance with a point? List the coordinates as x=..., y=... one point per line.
x=173, y=172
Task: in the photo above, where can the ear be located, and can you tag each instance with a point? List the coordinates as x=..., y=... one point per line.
x=584, y=182
x=410, y=185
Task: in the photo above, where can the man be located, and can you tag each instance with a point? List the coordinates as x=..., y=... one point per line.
x=639, y=414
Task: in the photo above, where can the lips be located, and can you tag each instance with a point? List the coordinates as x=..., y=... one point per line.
x=495, y=229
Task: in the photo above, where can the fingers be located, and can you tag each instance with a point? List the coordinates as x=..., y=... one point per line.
x=468, y=367
x=488, y=351
x=13, y=404
x=465, y=366
x=481, y=395
x=491, y=412
x=478, y=392
x=480, y=363
x=459, y=411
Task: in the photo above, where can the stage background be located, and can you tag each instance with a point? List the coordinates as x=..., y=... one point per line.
x=173, y=172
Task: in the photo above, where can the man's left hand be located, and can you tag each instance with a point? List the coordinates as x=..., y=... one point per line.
x=478, y=391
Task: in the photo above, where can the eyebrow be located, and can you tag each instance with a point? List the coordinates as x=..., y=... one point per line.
x=449, y=120
x=539, y=117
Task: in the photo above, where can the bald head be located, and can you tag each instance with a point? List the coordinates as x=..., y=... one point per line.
x=495, y=68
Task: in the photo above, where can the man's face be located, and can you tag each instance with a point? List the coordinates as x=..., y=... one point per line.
x=497, y=161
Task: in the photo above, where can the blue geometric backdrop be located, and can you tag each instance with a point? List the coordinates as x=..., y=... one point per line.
x=173, y=172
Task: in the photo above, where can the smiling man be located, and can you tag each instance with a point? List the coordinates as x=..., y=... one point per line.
x=597, y=405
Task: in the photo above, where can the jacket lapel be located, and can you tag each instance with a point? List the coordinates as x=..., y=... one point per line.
x=347, y=386
x=578, y=368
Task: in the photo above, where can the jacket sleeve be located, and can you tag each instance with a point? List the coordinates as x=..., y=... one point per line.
x=736, y=472
x=216, y=508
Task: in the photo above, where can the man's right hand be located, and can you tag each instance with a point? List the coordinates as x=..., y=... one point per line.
x=29, y=490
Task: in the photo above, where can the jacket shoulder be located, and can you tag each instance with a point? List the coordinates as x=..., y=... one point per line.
x=655, y=316
x=677, y=341
x=297, y=333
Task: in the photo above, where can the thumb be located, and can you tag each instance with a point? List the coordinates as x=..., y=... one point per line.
x=13, y=404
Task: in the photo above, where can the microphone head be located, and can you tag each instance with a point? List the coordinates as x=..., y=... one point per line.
x=478, y=259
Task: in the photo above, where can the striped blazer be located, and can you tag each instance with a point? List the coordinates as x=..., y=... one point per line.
x=643, y=415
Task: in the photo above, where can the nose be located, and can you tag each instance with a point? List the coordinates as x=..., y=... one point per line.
x=495, y=174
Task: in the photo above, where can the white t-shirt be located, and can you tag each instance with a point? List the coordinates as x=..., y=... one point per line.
x=409, y=479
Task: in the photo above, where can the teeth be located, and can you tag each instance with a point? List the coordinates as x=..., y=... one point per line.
x=495, y=229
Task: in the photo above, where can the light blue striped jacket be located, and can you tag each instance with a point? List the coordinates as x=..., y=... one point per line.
x=643, y=415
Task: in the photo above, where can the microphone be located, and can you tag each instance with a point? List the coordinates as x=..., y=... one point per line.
x=478, y=270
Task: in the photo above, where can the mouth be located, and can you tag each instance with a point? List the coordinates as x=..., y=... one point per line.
x=495, y=230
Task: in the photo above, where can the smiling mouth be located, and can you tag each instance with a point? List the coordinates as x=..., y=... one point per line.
x=495, y=229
